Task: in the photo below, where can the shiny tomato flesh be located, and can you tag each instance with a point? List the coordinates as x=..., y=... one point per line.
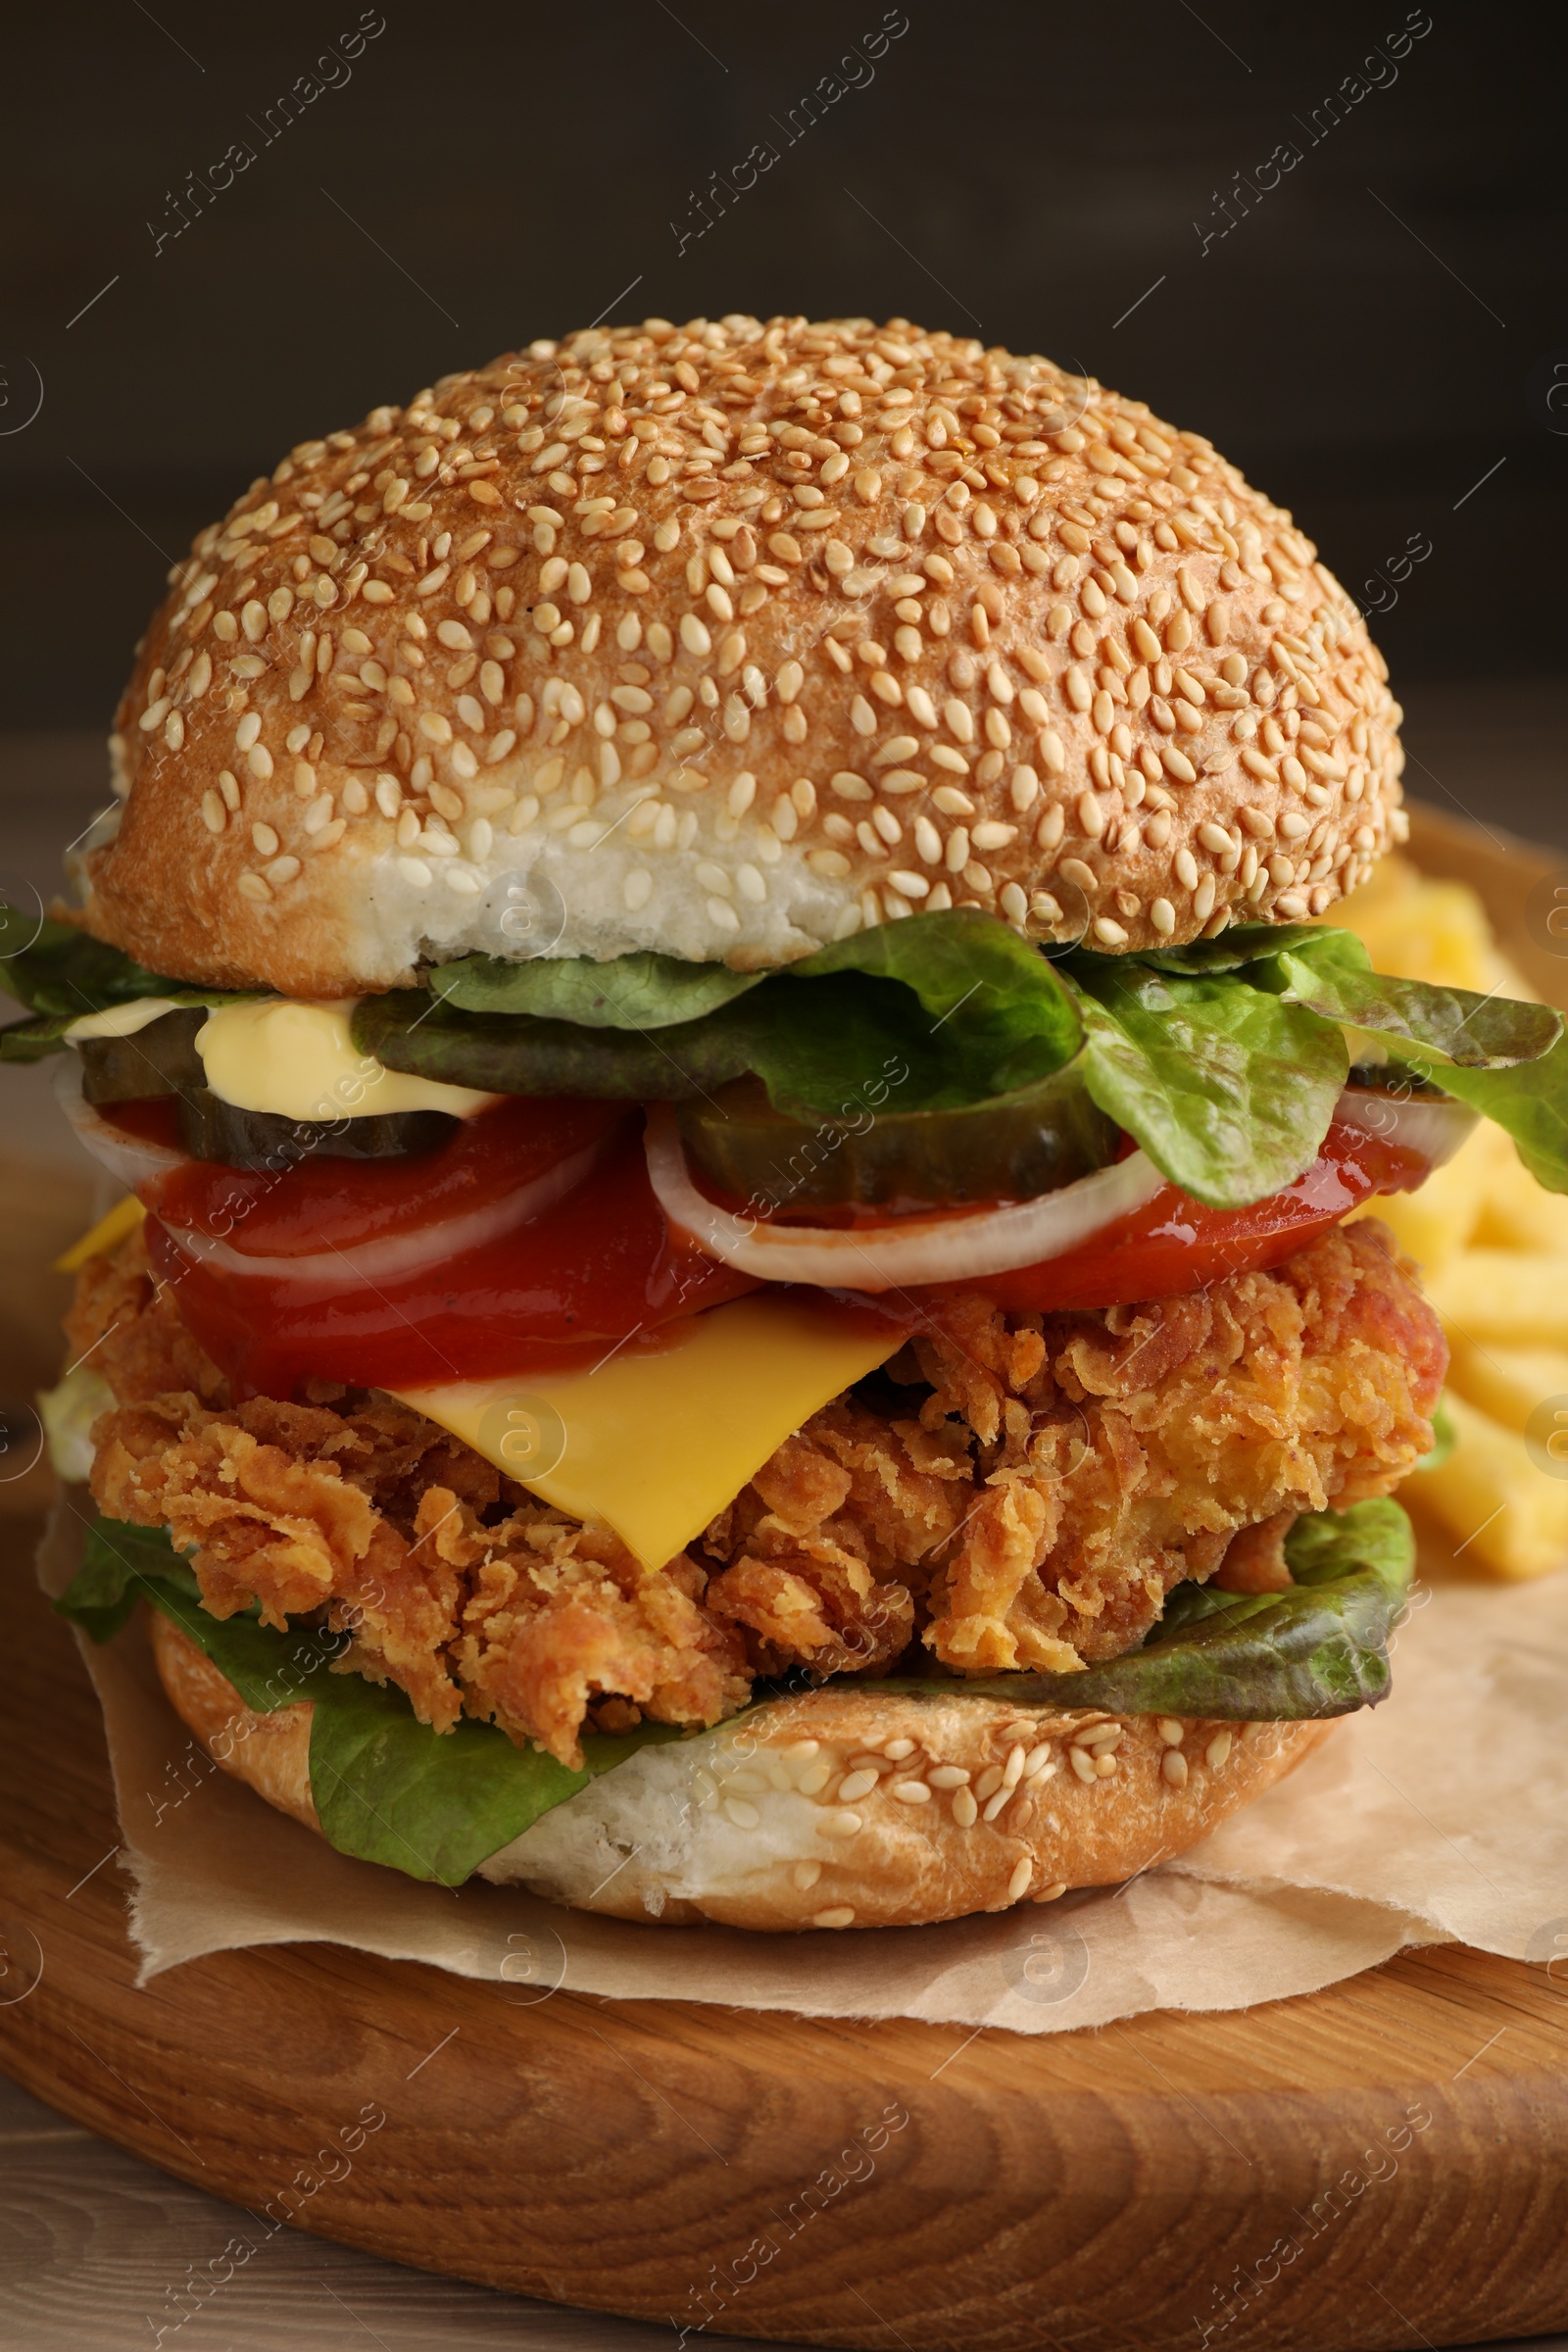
x=1174, y=1243
x=599, y=1266
x=317, y=1203
x=603, y=1266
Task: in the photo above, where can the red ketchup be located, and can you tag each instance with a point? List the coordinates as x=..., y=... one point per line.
x=1174, y=1243
x=599, y=1266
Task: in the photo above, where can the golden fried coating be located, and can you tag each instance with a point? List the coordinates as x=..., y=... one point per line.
x=454, y=1584
x=1120, y=1451
x=1023, y=1492
x=124, y=1322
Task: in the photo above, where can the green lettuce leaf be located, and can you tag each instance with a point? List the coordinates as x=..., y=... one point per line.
x=1228, y=1088
x=1332, y=975
x=1319, y=1648
x=642, y=991
x=968, y=969
x=436, y=1805
x=1507, y=1059
x=1239, y=945
x=1223, y=1059
x=387, y=1786
x=966, y=1012
x=35, y=1041
x=118, y=1560
x=1529, y=1102
x=61, y=972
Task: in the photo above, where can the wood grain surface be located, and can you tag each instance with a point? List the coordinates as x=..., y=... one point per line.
x=94, y=2243
x=1405, y=2133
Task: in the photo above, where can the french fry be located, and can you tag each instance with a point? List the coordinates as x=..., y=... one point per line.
x=1418, y=929
x=1511, y=1384
x=1494, y=1250
x=1501, y=1514
x=1518, y=1213
x=1517, y=1297
x=1434, y=1224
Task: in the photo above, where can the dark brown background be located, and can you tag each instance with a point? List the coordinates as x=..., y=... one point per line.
x=1028, y=169
x=1033, y=169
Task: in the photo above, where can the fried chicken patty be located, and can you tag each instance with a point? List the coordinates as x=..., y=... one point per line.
x=1013, y=1491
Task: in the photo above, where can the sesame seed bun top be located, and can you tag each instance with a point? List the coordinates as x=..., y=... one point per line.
x=725, y=640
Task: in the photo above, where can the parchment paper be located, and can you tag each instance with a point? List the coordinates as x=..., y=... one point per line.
x=1441, y=1816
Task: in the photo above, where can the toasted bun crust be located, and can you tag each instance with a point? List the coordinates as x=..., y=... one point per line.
x=272, y=1752
x=726, y=640
x=796, y=1816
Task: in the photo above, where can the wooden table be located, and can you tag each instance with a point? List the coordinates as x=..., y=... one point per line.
x=1093, y=2192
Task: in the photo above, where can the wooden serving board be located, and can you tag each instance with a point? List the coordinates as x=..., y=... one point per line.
x=1122, y=2190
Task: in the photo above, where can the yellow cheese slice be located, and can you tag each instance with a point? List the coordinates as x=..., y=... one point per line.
x=655, y=1445
x=300, y=1062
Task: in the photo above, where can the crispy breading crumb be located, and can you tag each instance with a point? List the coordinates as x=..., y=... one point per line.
x=1028, y=1496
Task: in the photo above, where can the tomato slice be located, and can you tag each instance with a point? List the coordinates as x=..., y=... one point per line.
x=599, y=1267
x=602, y=1267
x=317, y=1203
x=1175, y=1244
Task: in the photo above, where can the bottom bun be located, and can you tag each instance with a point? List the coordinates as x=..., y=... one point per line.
x=857, y=1807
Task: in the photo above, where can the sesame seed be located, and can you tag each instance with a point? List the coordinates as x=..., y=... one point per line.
x=856, y=1785
x=839, y=1915
x=1217, y=1753
x=911, y=1792
x=1135, y=569
x=965, y=1811
x=1173, y=1766
x=838, y=1824
x=1019, y=1883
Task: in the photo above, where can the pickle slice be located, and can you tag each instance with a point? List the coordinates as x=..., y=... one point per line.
x=213, y=1129
x=162, y=1059
x=1009, y=1148
x=159, y=1059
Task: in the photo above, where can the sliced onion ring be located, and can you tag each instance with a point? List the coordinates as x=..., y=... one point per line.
x=1433, y=1126
x=955, y=1249
x=127, y=1157
x=399, y=1253
x=138, y=1163
x=914, y=1250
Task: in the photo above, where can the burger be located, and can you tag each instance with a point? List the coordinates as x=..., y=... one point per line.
x=738, y=1292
